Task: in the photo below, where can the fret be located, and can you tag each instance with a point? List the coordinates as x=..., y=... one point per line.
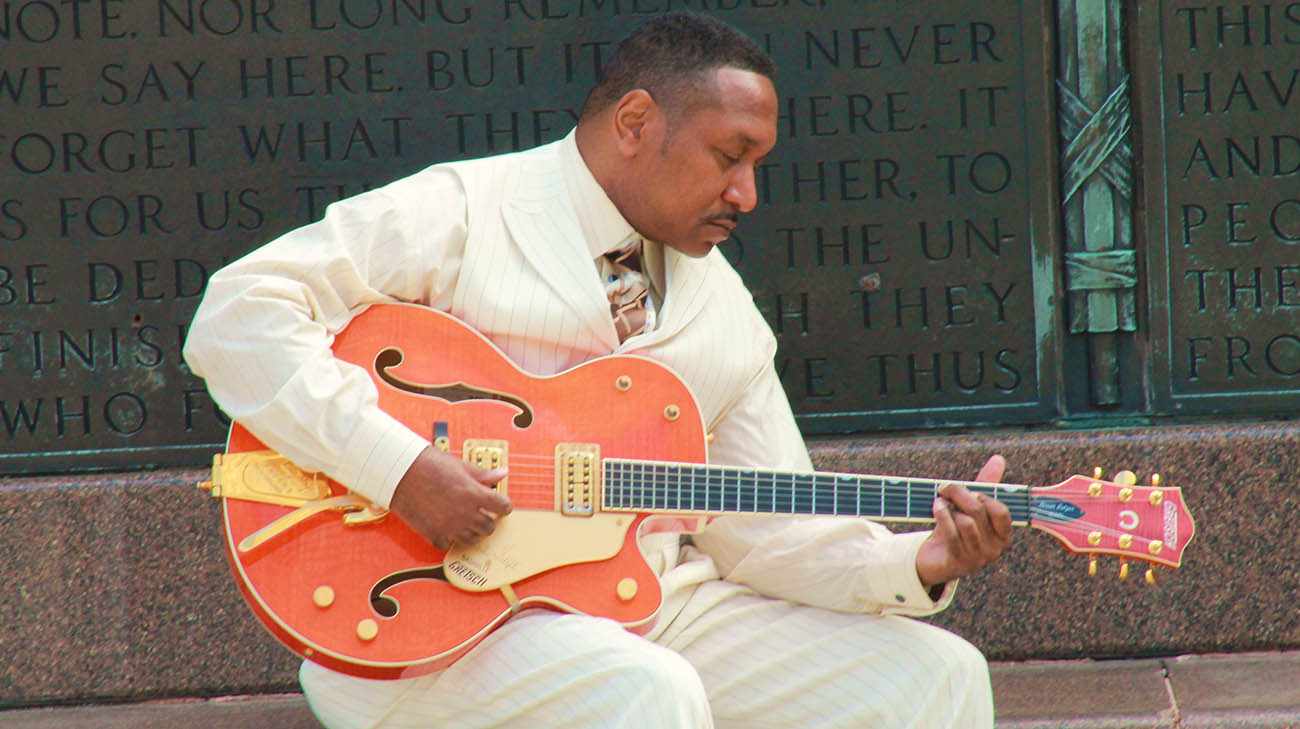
x=618, y=473
x=608, y=489
x=772, y=506
x=679, y=488
x=895, y=498
x=614, y=483
x=714, y=486
x=607, y=492
x=628, y=474
x=695, y=490
x=638, y=493
x=624, y=485
x=835, y=495
x=625, y=490
x=737, y=486
x=672, y=480
x=642, y=486
x=845, y=493
x=656, y=475
x=648, y=487
x=646, y=499
x=629, y=490
x=744, y=493
x=660, y=493
x=826, y=484
x=728, y=479
x=801, y=494
x=651, y=487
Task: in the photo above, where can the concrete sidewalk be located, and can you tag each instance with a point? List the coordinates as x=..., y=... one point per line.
x=1199, y=691
x=1188, y=692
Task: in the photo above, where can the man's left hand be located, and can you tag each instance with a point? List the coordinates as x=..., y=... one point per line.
x=971, y=530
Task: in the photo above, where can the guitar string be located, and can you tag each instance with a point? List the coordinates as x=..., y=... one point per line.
x=650, y=490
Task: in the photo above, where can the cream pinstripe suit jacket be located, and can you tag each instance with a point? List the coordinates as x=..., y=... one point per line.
x=497, y=243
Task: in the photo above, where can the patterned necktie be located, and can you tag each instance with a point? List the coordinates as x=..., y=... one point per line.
x=625, y=286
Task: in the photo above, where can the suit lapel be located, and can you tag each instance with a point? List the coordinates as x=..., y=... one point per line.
x=544, y=226
x=687, y=281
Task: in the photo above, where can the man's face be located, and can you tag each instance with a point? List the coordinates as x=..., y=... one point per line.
x=694, y=180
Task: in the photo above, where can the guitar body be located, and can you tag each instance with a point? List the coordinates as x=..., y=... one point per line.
x=592, y=453
x=373, y=599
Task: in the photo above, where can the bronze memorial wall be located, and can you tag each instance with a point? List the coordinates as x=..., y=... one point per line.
x=1223, y=205
x=959, y=226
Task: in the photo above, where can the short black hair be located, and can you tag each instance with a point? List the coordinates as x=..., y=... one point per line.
x=672, y=57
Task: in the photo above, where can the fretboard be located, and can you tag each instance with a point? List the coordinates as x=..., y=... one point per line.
x=652, y=486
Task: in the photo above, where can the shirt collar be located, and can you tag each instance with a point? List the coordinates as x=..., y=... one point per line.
x=603, y=226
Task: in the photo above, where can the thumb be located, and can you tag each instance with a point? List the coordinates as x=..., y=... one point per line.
x=992, y=470
x=485, y=476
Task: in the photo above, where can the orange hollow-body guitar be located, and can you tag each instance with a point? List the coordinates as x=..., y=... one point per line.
x=591, y=453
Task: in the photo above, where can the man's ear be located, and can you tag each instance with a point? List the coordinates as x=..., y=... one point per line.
x=633, y=115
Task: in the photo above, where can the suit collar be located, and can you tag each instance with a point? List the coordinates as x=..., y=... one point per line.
x=540, y=215
x=540, y=212
x=603, y=226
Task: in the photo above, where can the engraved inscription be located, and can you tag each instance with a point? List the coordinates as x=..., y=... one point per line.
x=154, y=141
x=1231, y=89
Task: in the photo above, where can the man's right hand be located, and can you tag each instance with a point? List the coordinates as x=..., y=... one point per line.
x=444, y=498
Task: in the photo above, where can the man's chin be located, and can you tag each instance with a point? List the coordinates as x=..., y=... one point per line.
x=696, y=249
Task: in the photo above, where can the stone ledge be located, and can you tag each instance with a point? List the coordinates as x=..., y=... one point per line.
x=1204, y=692
x=115, y=587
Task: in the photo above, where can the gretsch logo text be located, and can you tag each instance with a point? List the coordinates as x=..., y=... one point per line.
x=470, y=574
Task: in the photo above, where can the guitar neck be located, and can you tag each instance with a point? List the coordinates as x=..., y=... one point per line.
x=676, y=488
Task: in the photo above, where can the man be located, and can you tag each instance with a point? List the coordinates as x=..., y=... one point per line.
x=766, y=622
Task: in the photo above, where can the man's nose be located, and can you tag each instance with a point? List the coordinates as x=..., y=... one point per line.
x=742, y=190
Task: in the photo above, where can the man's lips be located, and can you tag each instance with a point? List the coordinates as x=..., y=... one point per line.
x=727, y=224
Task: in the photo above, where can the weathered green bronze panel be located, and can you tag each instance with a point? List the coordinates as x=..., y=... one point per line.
x=1220, y=102
x=903, y=249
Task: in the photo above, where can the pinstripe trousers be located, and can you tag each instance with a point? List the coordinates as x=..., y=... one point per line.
x=721, y=656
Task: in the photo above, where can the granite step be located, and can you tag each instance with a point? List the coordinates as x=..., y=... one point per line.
x=1237, y=691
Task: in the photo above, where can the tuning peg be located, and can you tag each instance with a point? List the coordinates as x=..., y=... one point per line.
x=1151, y=576
x=1123, y=568
x=1125, y=478
x=1092, y=566
x=1155, y=479
x=1096, y=472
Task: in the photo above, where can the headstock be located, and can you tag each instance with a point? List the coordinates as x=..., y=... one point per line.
x=1093, y=516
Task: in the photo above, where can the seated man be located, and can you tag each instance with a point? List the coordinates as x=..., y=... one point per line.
x=766, y=621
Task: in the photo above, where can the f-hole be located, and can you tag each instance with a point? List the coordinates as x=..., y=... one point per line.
x=458, y=392
x=387, y=606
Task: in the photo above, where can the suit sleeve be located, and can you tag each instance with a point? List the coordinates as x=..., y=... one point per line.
x=261, y=336
x=839, y=563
